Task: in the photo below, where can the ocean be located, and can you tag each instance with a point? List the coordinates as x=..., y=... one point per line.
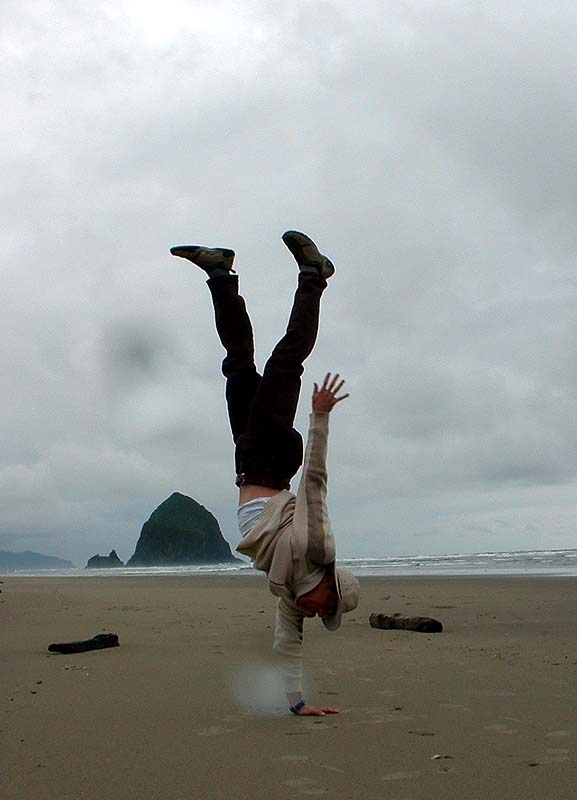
x=562, y=563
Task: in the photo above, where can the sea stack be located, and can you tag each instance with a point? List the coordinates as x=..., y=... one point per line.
x=99, y=562
x=180, y=531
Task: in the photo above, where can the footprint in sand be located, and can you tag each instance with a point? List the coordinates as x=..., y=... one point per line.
x=334, y=769
x=501, y=729
x=214, y=730
x=377, y=715
x=454, y=706
x=399, y=776
x=556, y=755
x=295, y=758
x=559, y=734
x=304, y=786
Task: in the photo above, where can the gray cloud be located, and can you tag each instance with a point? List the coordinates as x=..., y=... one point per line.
x=429, y=148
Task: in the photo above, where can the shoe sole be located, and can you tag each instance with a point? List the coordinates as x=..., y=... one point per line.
x=188, y=251
x=296, y=241
x=191, y=249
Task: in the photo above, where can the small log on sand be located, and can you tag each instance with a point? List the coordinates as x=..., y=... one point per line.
x=98, y=642
x=398, y=622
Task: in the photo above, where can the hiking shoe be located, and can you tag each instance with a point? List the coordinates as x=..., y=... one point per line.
x=207, y=258
x=307, y=255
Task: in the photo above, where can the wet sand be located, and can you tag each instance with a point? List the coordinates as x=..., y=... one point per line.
x=171, y=714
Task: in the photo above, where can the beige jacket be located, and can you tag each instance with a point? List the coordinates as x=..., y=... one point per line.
x=293, y=543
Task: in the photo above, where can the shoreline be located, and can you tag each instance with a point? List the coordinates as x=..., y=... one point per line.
x=556, y=562
x=172, y=712
x=255, y=575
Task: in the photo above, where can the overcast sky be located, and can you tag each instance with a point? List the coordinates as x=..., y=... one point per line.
x=429, y=149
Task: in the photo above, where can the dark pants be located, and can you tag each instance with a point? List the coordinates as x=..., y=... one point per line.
x=262, y=408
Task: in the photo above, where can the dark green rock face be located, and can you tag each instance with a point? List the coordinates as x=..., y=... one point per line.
x=180, y=531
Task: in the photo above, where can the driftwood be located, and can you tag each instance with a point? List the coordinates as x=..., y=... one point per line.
x=397, y=622
x=98, y=642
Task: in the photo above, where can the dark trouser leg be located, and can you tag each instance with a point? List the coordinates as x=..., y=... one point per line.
x=235, y=332
x=270, y=446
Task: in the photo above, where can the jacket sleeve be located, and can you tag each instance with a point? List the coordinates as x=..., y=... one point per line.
x=288, y=644
x=312, y=538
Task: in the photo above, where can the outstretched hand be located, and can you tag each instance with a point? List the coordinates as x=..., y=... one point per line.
x=312, y=711
x=325, y=398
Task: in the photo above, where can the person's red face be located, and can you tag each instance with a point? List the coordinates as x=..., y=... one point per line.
x=322, y=600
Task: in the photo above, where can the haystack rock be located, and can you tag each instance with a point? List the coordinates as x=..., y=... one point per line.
x=180, y=531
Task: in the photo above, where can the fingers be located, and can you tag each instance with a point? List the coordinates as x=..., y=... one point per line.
x=312, y=711
x=332, y=384
x=326, y=398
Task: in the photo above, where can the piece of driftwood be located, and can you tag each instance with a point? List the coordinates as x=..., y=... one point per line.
x=398, y=622
x=98, y=642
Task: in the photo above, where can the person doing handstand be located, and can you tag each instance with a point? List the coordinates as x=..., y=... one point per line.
x=287, y=536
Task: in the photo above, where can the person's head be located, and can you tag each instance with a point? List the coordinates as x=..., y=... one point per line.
x=323, y=599
x=335, y=594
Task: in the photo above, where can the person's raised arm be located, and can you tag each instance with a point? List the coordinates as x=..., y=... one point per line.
x=313, y=540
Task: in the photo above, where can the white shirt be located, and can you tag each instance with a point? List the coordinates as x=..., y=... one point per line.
x=249, y=513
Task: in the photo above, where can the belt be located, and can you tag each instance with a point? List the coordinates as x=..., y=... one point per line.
x=245, y=478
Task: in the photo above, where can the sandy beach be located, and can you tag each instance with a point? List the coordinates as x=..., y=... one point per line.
x=173, y=713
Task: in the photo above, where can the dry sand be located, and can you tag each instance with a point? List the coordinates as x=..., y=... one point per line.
x=494, y=694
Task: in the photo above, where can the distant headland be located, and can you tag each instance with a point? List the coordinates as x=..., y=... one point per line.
x=29, y=560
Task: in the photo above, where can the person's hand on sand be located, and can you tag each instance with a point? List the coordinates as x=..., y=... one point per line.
x=312, y=711
x=325, y=398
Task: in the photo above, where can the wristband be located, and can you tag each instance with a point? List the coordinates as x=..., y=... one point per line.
x=297, y=707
